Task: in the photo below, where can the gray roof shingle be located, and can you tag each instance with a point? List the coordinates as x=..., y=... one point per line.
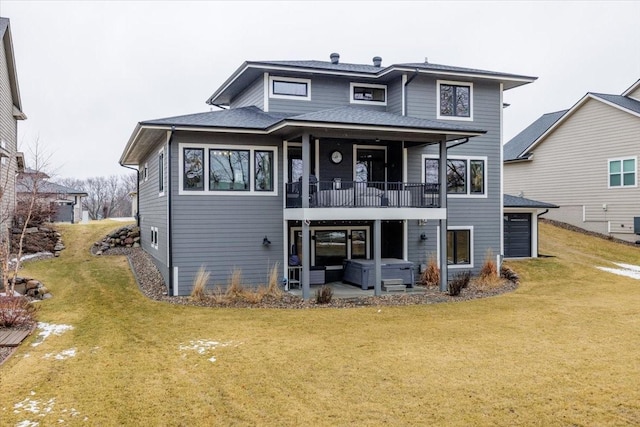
x=241, y=118
x=622, y=101
x=4, y=23
x=516, y=147
x=254, y=118
x=450, y=68
x=510, y=201
x=370, y=117
x=324, y=65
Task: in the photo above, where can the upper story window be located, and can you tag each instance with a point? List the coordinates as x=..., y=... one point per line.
x=455, y=100
x=466, y=176
x=622, y=172
x=364, y=93
x=227, y=169
x=289, y=88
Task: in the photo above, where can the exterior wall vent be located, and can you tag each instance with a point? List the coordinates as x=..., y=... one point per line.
x=335, y=58
x=377, y=61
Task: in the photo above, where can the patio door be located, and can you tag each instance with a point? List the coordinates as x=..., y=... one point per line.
x=370, y=163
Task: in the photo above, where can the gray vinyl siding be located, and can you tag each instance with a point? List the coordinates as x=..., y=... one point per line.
x=569, y=168
x=8, y=133
x=223, y=232
x=326, y=93
x=483, y=214
x=394, y=96
x=153, y=210
x=252, y=95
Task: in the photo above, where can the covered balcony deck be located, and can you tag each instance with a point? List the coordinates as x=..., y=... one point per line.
x=353, y=194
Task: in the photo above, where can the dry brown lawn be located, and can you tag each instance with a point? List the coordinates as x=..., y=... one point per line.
x=561, y=350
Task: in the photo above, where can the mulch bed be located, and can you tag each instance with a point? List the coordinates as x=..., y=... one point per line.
x=152, y=285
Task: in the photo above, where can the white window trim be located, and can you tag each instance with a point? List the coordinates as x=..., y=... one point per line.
x=154, y=237
x=206, y=192
x=621, y=160
x=353, y=85
x=468, y=194
x=347, y=228
x=161, y=178
x=292, y=80
x=454, y=83
x=471, y=247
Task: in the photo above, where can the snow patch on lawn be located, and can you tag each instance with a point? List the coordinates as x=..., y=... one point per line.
x=203, y=347
x=49, y=329
x=628, y=270
x=41, y=408
x=64, y=354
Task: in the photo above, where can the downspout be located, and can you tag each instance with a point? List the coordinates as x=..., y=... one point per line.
x=169, y=233
x=538, y=233
x=137, y=216
x=409, y=80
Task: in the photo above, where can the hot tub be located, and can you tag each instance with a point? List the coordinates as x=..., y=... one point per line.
x=362, y=272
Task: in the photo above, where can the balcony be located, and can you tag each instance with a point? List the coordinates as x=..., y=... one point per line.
x=352, y=194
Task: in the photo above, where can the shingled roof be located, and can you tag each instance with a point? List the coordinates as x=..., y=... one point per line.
x=510, y=201
x=516, y=148
x=621, y=101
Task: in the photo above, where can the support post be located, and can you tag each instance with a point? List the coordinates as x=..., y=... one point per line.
x=442, y=168
x=306, y=241
x=377, y=256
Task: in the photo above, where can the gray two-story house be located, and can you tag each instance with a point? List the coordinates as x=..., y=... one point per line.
x=351, y=168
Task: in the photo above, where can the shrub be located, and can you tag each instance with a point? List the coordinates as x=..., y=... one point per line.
x=273, y=286
x=324, y=295
x=509, y=274
x=235, y=289
x=16, y=312
x=489, y=269
x=199, y=290
x=431, y=275
x=459, y=282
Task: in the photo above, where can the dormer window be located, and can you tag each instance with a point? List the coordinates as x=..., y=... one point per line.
x=363, y=93
x=289, y=88
x=455, y=100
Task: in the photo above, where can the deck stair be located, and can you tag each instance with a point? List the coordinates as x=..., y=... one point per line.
x=393, y=285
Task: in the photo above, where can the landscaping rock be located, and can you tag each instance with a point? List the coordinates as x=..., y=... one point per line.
x=125, y=237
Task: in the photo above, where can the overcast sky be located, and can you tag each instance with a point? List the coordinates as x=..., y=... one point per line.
x=89, y=71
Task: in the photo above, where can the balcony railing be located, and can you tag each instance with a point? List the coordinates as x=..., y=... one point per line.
x=351, y=194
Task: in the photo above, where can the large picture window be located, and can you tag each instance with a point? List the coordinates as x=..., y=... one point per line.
x=330, y=247
x=622, y=172
x=229, y=169
x=455, y=100
x=459, y=247
x=465, y=176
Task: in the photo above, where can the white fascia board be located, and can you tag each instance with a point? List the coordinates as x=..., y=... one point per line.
x=129, y=146
x=570, y=112
x=632, y=88
x=611, y=104
x=501, y=78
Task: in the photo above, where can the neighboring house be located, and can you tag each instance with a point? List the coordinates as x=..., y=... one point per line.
x=10, y=113
x=585, y=160
x=55, y=202
x=335, y=163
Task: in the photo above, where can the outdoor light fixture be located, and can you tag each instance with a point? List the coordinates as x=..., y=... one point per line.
x=423, y=236
x=266, y=241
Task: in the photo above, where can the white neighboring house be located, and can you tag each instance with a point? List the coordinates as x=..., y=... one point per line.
x=585, y=161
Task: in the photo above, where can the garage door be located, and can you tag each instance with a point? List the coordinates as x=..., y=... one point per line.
x=517, y=235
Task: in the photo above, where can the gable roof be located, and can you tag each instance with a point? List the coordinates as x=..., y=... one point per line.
x=520, y=147
x=25, y=183
x=509, y=201
x=516, y=148
x=251, y=70
x=632, y=88
x=5, y=37
x=255, y=121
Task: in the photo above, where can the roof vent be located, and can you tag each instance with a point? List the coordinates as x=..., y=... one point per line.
x=377, y=61
x=426, y=60
x=335, y=58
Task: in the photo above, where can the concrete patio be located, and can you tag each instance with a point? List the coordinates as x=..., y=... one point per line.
x=347, y=290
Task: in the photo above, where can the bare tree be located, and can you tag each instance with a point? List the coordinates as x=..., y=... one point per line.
x=30, y=203
x=107, y=196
